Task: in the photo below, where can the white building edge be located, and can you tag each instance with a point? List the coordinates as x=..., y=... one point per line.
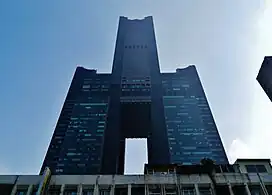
x=244, y=177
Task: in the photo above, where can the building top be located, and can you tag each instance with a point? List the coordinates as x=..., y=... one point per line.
x=178, y=70
x=124, y=17
x=267, y=160
x=186, y=68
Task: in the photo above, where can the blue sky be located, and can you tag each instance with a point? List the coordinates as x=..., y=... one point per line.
x=42, y=41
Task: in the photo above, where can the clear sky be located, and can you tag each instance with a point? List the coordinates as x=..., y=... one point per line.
x=42, y=41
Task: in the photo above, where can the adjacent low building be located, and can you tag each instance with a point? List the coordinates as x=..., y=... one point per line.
x=244, y=177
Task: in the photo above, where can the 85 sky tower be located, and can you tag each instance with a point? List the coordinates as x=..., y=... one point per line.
x=135, y=100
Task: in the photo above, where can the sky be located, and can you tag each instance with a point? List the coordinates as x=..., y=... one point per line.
x=41, y=43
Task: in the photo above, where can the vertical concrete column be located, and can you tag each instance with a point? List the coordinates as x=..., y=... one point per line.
x=179, y=189
x=112, y=189
x=146, y=189
x=162, y=186
x=213, y=190
x=197, y=189
x=96, y=189
x=79, y=189
x=247, y=189
x=129, y=189
x=14, y=190
x=62, y=189
x=230, y=189
x=179, y=185
x=29, y=190
x=264, y=190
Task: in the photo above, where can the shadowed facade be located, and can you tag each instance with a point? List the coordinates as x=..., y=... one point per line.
x=135, y=101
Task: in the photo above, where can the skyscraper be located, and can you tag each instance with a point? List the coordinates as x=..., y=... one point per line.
x=134, y=101
x=264, y=76
x=191, y=130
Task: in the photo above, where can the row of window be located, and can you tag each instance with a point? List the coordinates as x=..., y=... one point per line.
x=138, y=85
x=87, y=86
x=180, y=128
x=184, y=191
x=86, y=118
x=199, y=144
x=95, y=90
x=137, y=90
x=130, y=81
x=256, y=169
x=135, y=46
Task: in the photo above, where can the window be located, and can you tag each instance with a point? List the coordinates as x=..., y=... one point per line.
x=21, y=192
x=71, y=154
x=100, y=130
x=205, y=191
x=261, y=168
x=256, y=169
x=88, y=192
x=70, y=193
x=251, y=168
x=59, y=170
x=188, y=191
x=86, y=86
x=82, y=130
x=104, y=192
x=170, y=192
x=34, y=192
x=255, y=191
x=53, y=192
x=156, y=191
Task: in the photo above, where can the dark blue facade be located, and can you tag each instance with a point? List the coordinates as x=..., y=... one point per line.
x=191, y=130
x=77, y=142
x=264, y=76
x=134, y=101
x=136, y=105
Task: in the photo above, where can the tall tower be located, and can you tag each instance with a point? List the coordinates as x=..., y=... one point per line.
x=134, y=101
x=136, y=105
